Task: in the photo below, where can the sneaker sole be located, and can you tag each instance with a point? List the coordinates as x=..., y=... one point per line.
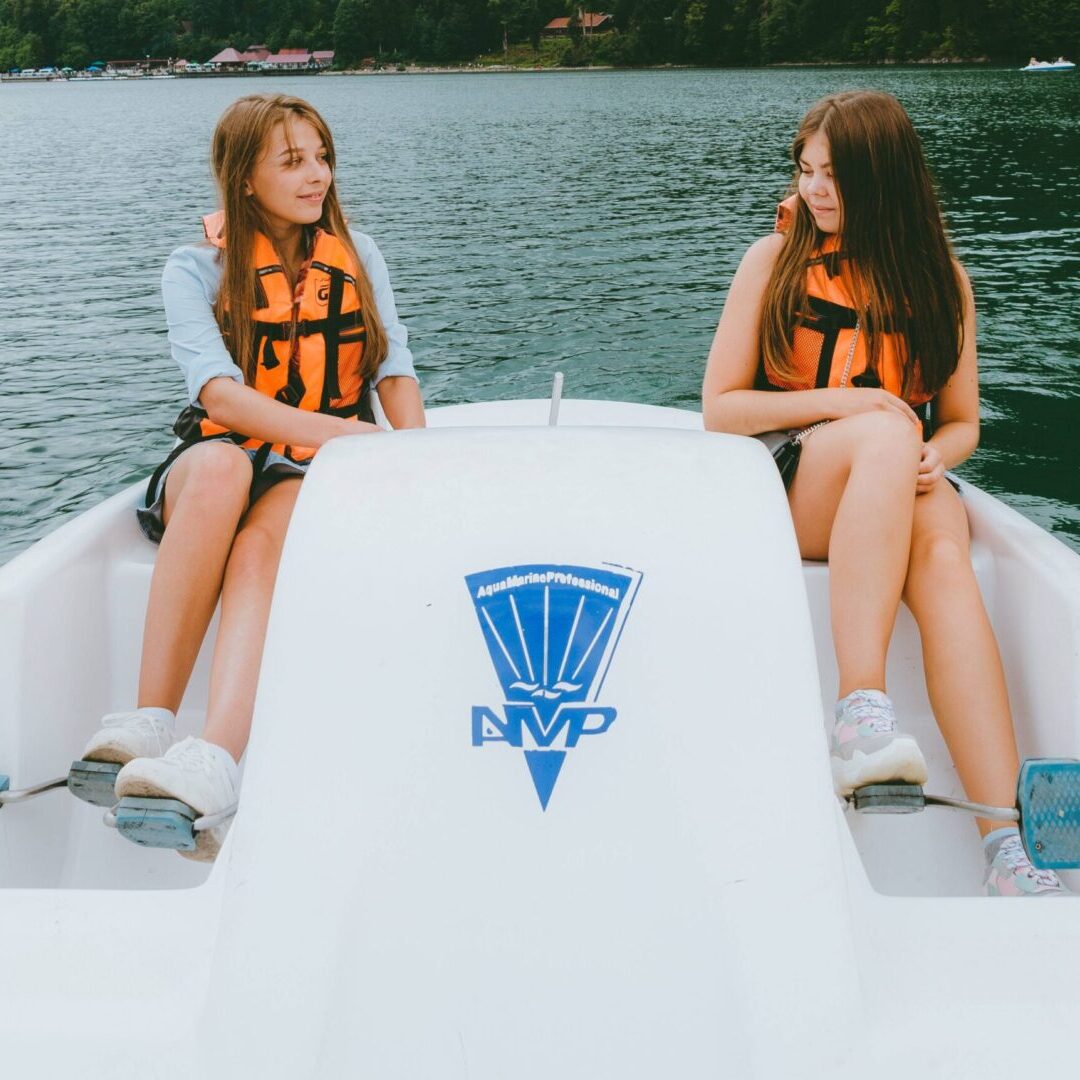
x=1043, y=894
x=110, y=755
x=901, y=761
x=207, y=842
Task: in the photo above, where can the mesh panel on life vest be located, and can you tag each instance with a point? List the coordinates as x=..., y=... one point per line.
x=806, y=346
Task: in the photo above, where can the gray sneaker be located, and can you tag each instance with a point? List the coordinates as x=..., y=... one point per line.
x=1009, y=871
x=866, y=747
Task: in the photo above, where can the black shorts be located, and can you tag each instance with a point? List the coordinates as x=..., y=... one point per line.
x=269, y=471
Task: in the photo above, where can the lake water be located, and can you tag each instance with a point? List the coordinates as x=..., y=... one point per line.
x=588, y=222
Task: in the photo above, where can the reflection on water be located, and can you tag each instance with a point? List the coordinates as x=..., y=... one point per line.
x=589, y=222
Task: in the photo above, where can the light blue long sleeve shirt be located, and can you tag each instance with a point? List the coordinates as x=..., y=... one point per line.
x=190, y=284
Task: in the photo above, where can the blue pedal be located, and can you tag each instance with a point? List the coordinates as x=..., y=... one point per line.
x=93, y=781
x=1048, y=797
x=161, y=823
x=889, y=799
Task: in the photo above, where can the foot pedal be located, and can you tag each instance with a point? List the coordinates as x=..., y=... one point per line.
x=94, y=781
x=889, y=799
x=1048, y=795
x=160, y=823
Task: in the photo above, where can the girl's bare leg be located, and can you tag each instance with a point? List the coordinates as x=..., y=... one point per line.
x=964, y=676
x=852, y=502
x=206, y=493
x=245, y=608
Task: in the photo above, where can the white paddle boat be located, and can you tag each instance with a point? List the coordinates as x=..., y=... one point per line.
x=545, y=795
x=1050, y=65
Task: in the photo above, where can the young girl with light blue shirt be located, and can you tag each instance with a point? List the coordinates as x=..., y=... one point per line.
x=282, y=321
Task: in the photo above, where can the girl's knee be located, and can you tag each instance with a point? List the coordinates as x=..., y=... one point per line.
x=940, y=554
x=886, y=433
x=217, y=470
x=256, y=550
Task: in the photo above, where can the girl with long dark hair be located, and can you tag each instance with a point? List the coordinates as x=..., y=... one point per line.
x=282, y=320
x=839, y=328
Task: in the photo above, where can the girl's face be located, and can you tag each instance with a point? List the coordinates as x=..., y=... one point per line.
x=816, y=184
x=290, y=182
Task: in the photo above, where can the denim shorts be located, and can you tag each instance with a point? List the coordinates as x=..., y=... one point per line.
x=271, y=469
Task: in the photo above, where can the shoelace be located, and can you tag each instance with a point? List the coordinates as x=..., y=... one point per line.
x=192, y=754
x=1016, y=861
x=143, y=724
x=863, y=710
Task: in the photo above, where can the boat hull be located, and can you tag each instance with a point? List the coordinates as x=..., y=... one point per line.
x=405, y=892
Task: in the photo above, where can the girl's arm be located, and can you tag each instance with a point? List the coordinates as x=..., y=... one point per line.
x=242, y=408
x=728, y=401
x=396, y=383
x=957, y=406
x=400, y=398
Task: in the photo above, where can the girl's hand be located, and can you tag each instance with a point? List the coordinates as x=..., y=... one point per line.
x=849, y=400
x=931, y=469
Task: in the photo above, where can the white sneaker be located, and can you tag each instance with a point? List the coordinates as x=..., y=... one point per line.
x=195, y=772
x=126, y=735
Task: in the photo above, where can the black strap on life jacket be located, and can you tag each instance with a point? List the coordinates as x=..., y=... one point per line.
x=331, y=387
x=292, y=393
x=332, y=269
x=827, y=319
x=266, y=346
x=337, y=328
x=281, y=331
x=830, y=260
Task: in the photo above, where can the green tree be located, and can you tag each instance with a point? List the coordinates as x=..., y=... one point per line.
x=882, y=35
x=351, y=37
x=30, y=52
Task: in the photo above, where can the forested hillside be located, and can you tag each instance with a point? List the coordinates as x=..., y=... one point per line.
x=723, y=32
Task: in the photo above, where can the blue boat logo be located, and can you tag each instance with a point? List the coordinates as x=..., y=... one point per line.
x=551, y=632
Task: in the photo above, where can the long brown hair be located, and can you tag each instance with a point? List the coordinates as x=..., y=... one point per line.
x=899, y=267
x=239, y=139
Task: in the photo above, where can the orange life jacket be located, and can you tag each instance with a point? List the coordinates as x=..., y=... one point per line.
x=823, y=333
x=309, y=349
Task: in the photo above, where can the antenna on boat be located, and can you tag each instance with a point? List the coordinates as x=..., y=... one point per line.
x=556, y=397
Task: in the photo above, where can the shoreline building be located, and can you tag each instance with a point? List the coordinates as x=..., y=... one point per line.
x=292, y=59
x=591, y=22
x=229, y=60
x=135, y=67
x=259, y=58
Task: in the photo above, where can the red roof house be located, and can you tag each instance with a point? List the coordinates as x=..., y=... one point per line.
x=228, y=56
x=290, y=58
x=590, y=21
